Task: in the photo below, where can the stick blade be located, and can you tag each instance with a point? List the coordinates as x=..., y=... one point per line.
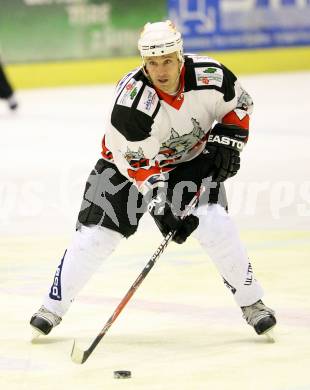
x=78, y=356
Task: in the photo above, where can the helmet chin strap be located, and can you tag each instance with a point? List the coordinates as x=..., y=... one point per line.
x=178, y=77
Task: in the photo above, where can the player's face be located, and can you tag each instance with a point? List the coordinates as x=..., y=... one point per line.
x=164, y=71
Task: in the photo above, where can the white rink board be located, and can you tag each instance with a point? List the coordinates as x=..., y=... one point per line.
x=182, y=329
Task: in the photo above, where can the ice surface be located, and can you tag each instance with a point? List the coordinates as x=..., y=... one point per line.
x=182, y=329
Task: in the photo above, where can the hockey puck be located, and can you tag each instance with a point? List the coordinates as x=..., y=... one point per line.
x=122, y=374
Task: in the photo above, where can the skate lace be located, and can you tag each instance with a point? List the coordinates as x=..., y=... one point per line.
x=49, y=316
x=254, y=313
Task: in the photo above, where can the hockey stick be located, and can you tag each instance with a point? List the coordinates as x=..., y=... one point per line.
x=80, y=356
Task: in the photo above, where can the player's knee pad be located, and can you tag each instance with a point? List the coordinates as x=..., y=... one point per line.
x=96, y=241
x=215, y=226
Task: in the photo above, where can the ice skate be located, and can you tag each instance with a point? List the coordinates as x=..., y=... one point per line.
x=261, y=318
x=43, y=321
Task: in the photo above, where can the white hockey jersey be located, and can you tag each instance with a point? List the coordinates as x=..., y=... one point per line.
x=150, y=132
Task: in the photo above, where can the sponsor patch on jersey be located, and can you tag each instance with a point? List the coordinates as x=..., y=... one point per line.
x=129, y=93
x=148, y=101
x=124, y=80
x=209, y=75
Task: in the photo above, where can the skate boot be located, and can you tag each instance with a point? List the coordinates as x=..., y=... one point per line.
x=43, y=321
x=259, y=316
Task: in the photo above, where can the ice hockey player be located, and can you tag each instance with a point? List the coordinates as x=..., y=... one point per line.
x=176, y=121
x=6, y=90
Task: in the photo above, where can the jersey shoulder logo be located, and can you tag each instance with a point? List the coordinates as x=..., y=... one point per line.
x=130, y=91
x=148, y=101
x=125, y=79
x=209, y=75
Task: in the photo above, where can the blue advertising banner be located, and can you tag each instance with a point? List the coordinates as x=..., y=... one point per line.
x=241, y=24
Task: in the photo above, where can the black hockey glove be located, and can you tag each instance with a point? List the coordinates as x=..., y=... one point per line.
x=223, y=148
x=165, y=218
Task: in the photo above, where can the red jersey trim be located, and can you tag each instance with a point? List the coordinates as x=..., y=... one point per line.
x=233, y=119
x=106, y=153
x=142, y=175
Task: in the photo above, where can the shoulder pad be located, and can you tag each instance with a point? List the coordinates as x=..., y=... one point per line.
x=135, y=91
x=206, y=73
x=121, y=83
x=198, y=59
x=128, y=88
x=135, y=107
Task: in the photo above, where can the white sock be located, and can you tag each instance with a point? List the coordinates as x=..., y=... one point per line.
x=218, y=235
x=89, y=247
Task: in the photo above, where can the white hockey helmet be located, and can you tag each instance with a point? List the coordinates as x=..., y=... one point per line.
x=160, y=38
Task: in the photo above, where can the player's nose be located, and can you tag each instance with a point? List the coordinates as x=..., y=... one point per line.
x=161, y=71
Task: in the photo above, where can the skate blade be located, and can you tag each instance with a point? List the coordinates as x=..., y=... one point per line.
x=35, y=334
x=270, y=336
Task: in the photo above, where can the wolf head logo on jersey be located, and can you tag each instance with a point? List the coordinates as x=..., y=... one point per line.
x=176, y=145
x=132, y=155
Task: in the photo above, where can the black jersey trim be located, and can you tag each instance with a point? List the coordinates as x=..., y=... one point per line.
x=133, y=124
x=157, y=108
